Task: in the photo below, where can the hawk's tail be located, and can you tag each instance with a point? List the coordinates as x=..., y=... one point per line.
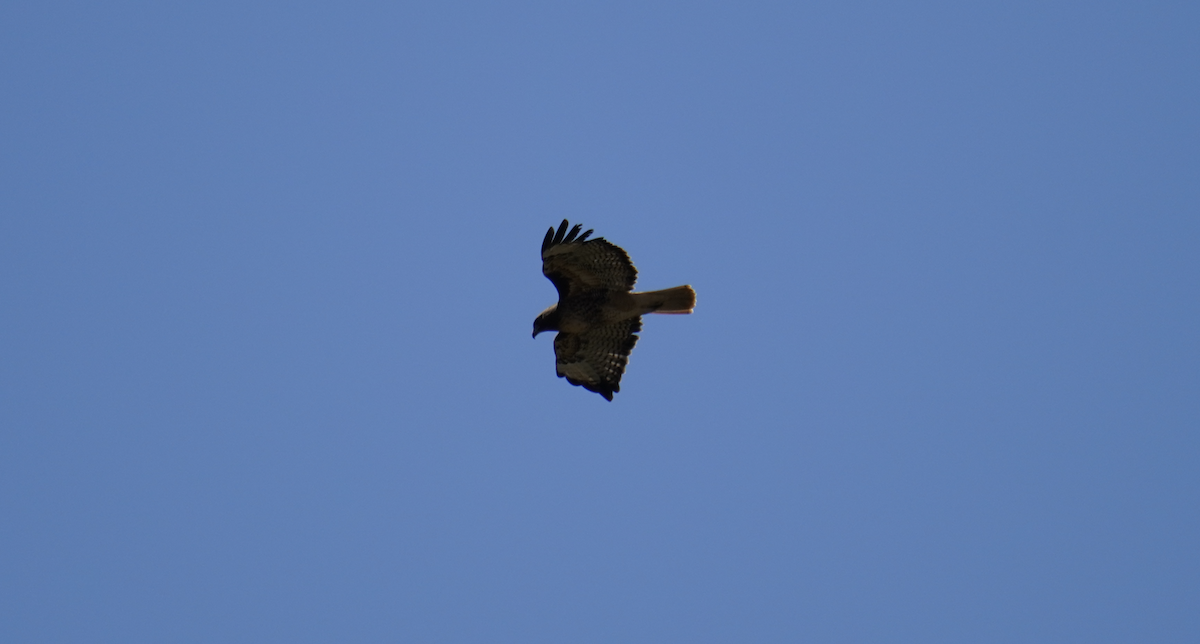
x=681, y=299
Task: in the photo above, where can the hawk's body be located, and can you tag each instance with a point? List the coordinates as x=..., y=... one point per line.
x=597, y=315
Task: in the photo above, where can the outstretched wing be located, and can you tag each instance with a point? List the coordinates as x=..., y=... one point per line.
x=575, y=264
x=596, y=360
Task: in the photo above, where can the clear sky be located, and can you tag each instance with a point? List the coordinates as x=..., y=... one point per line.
x=268, y=273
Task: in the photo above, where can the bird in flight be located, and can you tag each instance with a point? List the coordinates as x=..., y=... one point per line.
x=598, y=314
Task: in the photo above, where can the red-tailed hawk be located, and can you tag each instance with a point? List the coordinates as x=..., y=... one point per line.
x=597, y=315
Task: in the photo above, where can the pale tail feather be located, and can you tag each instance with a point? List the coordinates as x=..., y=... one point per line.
x=681, y=299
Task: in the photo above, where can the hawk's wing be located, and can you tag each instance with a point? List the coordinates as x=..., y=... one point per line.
x=595, y=360
x=575, y=265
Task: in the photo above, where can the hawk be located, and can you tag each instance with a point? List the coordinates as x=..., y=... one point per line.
x=598, y=314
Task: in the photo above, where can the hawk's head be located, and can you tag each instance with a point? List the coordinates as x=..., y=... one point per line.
x=546, y=321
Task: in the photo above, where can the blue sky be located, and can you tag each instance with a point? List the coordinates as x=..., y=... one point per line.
x=268, y=273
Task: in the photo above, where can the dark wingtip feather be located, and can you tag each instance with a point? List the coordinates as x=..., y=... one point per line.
x=561, y=236
x=571, y=235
